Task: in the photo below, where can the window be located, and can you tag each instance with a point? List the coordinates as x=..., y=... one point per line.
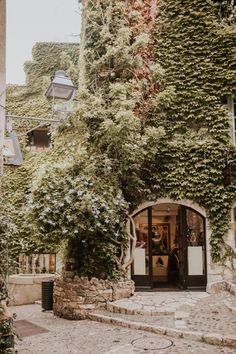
x=37, y=263
x=39, y=139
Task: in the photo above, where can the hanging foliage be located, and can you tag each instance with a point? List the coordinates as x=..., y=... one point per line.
x=150, y=123
x=7, y=265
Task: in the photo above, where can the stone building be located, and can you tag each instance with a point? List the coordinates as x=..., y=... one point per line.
x=176, y=223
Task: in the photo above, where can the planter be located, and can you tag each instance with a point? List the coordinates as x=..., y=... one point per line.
x=75, y=297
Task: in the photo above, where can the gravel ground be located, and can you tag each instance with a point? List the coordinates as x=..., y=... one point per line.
x=87, y=337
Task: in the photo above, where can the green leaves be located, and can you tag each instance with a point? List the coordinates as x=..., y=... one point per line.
x=149, y=124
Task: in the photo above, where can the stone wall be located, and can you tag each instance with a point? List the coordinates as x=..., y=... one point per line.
x=26, y=289
x=217, y=287
x=75, y=297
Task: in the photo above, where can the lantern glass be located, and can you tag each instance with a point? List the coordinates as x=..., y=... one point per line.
x=61, y=87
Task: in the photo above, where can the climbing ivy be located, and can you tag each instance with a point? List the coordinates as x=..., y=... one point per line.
x=29, y=101
x=7, y=265
x=150, y=123
x=197, y=53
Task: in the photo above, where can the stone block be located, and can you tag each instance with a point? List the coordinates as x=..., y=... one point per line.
x=87, y=307
x=213, y=338
x=159, y=330
x=216, y=287
x=80, y=314
x=229, y=341
x=109, y=307
x=99, y=318
x=193, y=335
x=174, y=333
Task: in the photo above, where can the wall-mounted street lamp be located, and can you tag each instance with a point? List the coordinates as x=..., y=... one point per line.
x=61, y=87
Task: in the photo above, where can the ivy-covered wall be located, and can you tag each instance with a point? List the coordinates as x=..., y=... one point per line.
x=196, y=50
x=30, y=101
x=191, y=74
x=150, y=123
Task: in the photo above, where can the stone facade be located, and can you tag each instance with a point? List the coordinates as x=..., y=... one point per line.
x=75, y=297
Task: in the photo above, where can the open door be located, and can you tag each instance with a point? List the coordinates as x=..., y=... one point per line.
x=142, y=265
x=191, y=248
x=196, y=249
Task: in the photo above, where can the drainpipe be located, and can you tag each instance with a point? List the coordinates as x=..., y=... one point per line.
x=2, y=79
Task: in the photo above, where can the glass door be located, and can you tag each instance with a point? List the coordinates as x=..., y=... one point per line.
x=170, y=247
x=196, y=248
x=142, y=266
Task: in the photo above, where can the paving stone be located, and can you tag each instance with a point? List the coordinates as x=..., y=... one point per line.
x=179, y=315
x=180, y=324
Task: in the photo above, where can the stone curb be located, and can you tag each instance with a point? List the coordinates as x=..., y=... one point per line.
x=111, y=307
x=209, y=338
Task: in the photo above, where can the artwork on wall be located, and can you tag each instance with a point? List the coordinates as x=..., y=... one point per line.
x=160, y=236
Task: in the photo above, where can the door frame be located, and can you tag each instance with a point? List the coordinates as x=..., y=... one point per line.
x=194, y=281
x=188, y=280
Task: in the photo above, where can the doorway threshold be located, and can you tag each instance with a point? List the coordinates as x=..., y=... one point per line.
x=166, y=288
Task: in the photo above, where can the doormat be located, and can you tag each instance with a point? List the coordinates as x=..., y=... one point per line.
x=25, y=328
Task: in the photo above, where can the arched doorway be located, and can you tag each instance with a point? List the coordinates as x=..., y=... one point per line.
x=171, y=247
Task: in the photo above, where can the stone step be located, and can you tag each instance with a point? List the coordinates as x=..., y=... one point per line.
x=154, y=327
x=133, y=309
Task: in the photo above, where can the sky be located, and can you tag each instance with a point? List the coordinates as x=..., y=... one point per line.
x=31, y=21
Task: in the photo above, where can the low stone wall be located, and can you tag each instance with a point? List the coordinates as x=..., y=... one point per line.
x=26, y=289
x=217, y=287
x=75, y=297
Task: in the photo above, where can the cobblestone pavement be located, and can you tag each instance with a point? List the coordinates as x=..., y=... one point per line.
x=186, y=310
x=86, y=337
x=213, y=313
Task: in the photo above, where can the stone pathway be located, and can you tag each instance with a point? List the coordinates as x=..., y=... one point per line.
x=154, y=303
x=87, y=337
x=195, y=315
